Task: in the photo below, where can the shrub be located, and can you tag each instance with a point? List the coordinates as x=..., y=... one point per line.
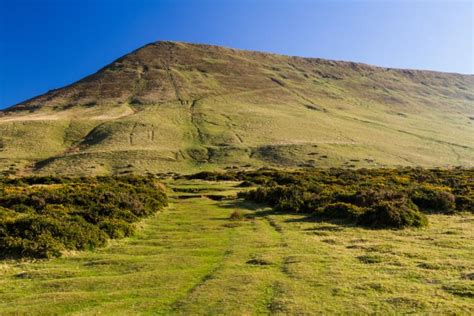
x=42, y=236
x=45, y=246
x=72, y=214
x=342, y=210
x=430, y=198
x=369, y=197
x=465, y=203
x=393, y=214
x=6, y=213
x=291, y=200
x=116, y=228
x=312, y=190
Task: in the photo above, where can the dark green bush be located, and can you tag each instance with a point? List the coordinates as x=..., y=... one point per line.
x=45, y=246
x=116, y=228
x=434, y=199
x=387, y=197
x=289, y=198
x=43, y=217
x=342, y=210
x=48, y=236
x=393, y=214
x=465, y=203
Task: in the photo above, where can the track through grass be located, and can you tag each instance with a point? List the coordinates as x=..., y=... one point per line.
x=192, y=259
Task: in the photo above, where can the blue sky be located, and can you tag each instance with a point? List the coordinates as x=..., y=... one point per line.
x=46, y=44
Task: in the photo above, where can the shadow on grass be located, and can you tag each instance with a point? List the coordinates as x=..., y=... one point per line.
x=242, y=204
x=259, y=210
x=263, y=210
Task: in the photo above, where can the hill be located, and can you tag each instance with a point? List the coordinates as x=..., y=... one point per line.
x=172, y=106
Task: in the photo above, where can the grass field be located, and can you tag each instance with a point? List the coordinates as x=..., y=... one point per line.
x=192, y=259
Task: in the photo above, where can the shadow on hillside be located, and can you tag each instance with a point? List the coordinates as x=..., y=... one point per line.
x=43, y=163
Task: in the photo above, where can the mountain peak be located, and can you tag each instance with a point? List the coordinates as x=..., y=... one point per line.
x=165, y=71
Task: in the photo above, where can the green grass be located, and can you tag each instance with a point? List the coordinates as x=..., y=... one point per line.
x=192, y=259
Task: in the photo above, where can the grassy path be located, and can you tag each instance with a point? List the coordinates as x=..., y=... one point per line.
x=191, y=259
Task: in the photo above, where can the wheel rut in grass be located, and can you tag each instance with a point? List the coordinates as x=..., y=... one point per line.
x=287, y=259
x=247, y=275
x=130, y=136
x=291, y=284
x=179, y=303
x=275, y=289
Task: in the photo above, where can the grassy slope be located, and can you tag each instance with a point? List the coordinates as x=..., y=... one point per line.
x=183, y=107
x=190, y=259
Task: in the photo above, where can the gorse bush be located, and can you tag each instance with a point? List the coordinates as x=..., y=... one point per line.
x=342, y=210
x=435, y=199
x=41, y=217
x=377, y=198
x=44, y=236
x=393, y=214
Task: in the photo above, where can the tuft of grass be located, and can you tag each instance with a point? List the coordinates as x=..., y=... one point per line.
x=259, y=262
x=238, y=215
x=369, y=259
x=460, y=289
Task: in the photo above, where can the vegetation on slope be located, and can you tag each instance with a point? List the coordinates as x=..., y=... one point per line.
x=184, y=107
x=377, y=198
x=42, y=217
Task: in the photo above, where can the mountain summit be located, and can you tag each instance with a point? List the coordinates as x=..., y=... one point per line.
x=172, y=106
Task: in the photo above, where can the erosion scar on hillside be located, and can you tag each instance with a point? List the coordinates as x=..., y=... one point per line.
x=194, y=121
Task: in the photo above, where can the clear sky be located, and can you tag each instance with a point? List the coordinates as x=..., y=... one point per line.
x=46, y=44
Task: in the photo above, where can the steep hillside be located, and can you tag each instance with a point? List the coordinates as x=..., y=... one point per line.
x=180, y=107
